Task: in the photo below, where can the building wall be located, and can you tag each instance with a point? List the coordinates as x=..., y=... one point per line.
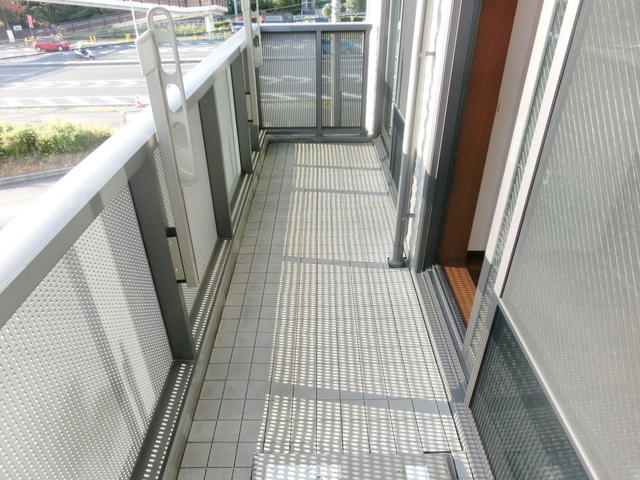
x=569, y=283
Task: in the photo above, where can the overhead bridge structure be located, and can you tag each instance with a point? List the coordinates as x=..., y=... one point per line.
x=177, y=8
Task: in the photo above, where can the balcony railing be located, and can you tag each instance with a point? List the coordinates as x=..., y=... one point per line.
x=99, y=338
x=314, y=79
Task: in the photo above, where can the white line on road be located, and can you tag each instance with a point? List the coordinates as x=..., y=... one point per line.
x=12, y=102
x=79, y=101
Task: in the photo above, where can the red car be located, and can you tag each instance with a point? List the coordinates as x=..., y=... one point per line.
x=51, y=43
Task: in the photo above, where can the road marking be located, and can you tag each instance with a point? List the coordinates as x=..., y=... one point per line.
x=112, y=100
x=79, y=101
x=12, y=102
x=122, y=100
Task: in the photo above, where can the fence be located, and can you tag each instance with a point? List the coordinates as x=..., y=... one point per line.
x=98, y=339
x=314, y=77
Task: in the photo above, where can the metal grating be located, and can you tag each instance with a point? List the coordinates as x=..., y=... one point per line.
x=197, y=197
x=521, y=434
x=572, y=289
x=288, y=80
x=83, y=361
x=342, y=79
x=157, y=160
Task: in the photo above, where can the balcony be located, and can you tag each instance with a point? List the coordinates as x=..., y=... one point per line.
x=238, y=319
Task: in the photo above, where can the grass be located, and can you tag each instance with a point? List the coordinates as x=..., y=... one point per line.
x=13, y=167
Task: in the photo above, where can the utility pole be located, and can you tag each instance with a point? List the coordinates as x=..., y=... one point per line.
x=336, y=7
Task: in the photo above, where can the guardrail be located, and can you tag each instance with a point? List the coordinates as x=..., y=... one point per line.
x=314, y=77
x=99, y=335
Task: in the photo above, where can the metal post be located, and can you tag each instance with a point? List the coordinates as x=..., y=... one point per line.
x=407, y=166
x=254, y=58
x=319, y=82
x=133, y=16
x=147, y=198
x=215, y=162
x=238, y=85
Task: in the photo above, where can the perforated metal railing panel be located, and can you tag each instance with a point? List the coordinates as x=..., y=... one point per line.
x=293, y=64
x=288, y=80
x=83, y=361
x=520, y=431
x=342, y=79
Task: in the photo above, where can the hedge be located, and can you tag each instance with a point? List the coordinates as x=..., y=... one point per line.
x=44, y=140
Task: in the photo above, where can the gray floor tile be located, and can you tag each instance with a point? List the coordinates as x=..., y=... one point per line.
x=202, y=431
x=244, y=455
x=227, y=431
x=239, y=371
x=192, y=474
x=196, y=455
x=222, y=455
x=321, y=348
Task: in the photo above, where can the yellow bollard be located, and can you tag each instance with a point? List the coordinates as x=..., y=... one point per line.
x=195, y=36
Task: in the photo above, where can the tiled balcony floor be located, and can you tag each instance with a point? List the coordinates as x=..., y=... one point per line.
x=321, y=348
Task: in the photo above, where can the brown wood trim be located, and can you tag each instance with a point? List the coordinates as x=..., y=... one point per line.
x=463, y=288
x=487, y=68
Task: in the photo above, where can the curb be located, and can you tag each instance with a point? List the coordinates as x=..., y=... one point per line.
x=34, y=176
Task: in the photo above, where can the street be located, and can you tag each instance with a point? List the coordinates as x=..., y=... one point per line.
x=57, y=79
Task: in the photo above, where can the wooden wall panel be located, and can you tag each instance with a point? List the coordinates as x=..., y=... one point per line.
x=490, y=54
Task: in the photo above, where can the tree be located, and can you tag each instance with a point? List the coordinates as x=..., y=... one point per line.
x=354, y=6
x=11, y=12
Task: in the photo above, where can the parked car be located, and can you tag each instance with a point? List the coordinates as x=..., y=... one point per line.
x=51, y=43
x=345, y=47
x=236, y=26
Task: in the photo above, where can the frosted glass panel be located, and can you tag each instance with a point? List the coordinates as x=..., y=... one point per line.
x=480, y=324
x=573, y=289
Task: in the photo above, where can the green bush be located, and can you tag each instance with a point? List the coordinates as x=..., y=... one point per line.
x=49, y=139
x=19, y=140
x=83, y=12
x=224, y=25
x=187, y=29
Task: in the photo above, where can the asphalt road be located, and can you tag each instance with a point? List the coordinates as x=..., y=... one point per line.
x=58, y=80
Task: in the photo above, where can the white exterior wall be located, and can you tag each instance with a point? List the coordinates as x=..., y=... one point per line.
x=428, y=102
